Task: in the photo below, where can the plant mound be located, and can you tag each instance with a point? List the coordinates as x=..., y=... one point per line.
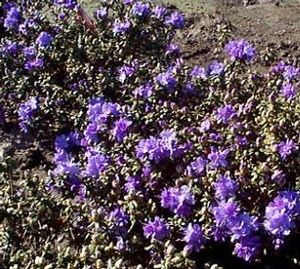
x=155, y=164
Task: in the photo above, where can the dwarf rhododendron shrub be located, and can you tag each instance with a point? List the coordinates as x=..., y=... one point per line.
x=154, y=164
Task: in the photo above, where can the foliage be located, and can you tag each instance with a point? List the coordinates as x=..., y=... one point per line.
x=155, y=163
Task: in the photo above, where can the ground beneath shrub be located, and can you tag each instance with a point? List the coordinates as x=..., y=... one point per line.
x=263, y=24
x=266, y=23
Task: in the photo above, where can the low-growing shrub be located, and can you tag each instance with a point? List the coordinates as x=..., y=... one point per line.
x=156, y=165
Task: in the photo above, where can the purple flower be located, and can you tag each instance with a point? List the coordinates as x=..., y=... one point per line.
x=225, y=113
x=291, y=72
x=121, y=27
x=96, y=164
x=61, y=156
x=91, y=132
x=66, y=168
x=198, y=72
x=247, y=248
x=144, y=91
x=280, y=215
x=224, y=213
x=156, y=229
x=141, y=9
x=159, y=12
x=241, y=140
x=128, y=2
x=10, y=48
x=279, y=67
x=70, y=4
x=158, y=149
x=8, y=5
x=215, y=68
x=286, y=148
x=132, y=184
x=176, y=20
x=179, y=200
x=279, y=177
x=167, y=80
x=205, y=125
x=172, y=49
x=120, y=221
x=26, y=112
x=288, y=91
x=197, y=167
x=225, y=187
x=62, y=16
x=125, y=72
x=240, y=50
x=12, y=18
x=193, y=237
x=102, y=13
x=218, y=158
x=44, y=40
x=216, y=137
x=242, y=226
x=29, y=52
x=34, y=64
x=121, y=129
x=100, y=111
x=189, y=89
x=67, y=141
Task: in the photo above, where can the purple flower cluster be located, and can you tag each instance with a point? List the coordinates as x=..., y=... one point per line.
x=144, y=91
x=286, y=148
x=240, y=50
x=225, y=113
x=10, y=48
x=167, y=80
x=64, y=144
x=34, y=64
x=99, y=112
x=176, y=20
x=121, y=129
x=141, y=9
x=158, y=149
x=120, y=221
x=280, y=215
x=288, y=91
x=193, y=237
x=26, y=112
x=197, y=167
x=70, y=4
x=125, y=72
x=159, y=11
x=13, y=18
x=213, y=69
x=225, y=187
x=288, y=72
x=218, y=159
x=179, y=200
x=29, y=52
x=96, y=163
x=120, y=27
x=156, y=229
x=231, y=222
x=44, y=40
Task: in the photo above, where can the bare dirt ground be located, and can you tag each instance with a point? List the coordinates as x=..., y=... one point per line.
x=265, y=24
x=269, y=23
